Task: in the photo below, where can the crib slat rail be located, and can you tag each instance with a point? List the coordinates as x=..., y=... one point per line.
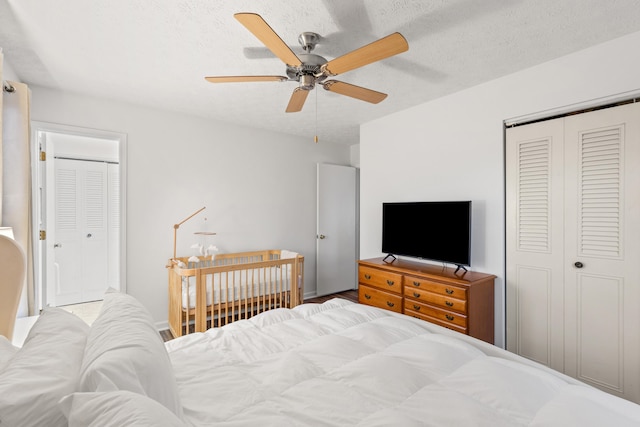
x=231, y=287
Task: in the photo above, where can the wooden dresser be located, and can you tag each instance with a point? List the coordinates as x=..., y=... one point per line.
x=463, y=301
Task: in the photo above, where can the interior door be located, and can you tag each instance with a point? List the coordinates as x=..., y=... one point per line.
x=95, y=198
x=336, y=229
x=80, y=248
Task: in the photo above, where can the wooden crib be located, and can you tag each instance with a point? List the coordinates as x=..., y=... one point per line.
x=233, y=286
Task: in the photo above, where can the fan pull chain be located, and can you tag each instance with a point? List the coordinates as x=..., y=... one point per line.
x=315, y=138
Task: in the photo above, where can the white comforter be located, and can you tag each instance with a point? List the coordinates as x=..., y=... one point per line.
x=345, y=364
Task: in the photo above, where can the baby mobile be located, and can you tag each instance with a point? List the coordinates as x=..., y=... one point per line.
x=203, y=251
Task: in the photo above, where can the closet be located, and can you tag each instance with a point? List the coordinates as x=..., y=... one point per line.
x=573, y=246
x=86, y=229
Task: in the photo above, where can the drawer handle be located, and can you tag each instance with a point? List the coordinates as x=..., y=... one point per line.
x=417, y=295
x=390, y=304
x=449, y=303
x=449, y=291
x=449, y=317
x=390, y=282
x=367, y=296
x=367, y=276
x=416, y=307
x=416, y=284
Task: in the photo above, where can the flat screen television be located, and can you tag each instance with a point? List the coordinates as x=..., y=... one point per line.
x=436, y=231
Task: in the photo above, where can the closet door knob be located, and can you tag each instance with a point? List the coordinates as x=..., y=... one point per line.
x=578, y=264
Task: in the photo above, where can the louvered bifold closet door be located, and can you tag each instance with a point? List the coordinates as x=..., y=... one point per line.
x=573, y=246
x=95, y=231
x=603, y=249
x=534, y=198
x=68, y=226
x=80, y=245
x=113, y=197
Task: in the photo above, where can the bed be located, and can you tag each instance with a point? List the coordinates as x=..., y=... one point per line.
x=206, y=291
x=331, y=364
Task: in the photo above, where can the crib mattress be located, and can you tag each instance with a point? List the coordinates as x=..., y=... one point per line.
x=238, y=285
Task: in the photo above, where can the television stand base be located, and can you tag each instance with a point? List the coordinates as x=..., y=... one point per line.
x=389, y=256
x=460, y=267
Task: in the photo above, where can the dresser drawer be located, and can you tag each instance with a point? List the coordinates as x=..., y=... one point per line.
x=430, y=319
x=435, y=287
x=384, y=280
x=434, y=312
x=377, y=298
x=444, y=301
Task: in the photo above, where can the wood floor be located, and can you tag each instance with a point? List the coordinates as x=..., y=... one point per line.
x=351, y=295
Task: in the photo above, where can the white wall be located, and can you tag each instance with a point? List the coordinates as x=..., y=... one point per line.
x=355, y=155
x=453, y=148
x=259, y=187
x=83, y=147
x=7, y=71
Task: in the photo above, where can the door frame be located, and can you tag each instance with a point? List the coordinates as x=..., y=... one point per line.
x=39, y=219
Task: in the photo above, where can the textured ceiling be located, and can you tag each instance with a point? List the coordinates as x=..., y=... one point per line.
x=157, y=53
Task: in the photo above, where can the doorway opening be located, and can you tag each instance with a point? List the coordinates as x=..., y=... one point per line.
x=79, y=208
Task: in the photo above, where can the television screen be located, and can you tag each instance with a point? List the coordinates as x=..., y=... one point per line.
x=438, y=231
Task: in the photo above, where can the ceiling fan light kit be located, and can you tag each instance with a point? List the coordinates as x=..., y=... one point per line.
x=309, y=69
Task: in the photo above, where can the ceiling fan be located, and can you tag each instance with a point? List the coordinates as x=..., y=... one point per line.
x=309, y=69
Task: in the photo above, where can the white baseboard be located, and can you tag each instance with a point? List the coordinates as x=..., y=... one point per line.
x=162, y=326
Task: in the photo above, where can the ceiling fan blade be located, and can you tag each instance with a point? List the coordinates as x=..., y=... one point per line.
x=354, y=91
x=385, y=47
x=259, y=27
x=298, y=97
x=243, y=79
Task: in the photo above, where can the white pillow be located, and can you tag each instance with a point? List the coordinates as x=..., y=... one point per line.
x=117, y=408
x=44, y=370
x=124, y=351
x=285, y=254
x=7, y=350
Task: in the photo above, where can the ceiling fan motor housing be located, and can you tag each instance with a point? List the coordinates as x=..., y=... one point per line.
x=309, y=72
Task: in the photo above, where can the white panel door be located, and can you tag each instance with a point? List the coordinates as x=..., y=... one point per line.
x=336, y=229
x=573, y=240
x=81, y=251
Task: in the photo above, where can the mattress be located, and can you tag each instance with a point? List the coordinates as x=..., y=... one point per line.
x=346, y=364
x=237, y=285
